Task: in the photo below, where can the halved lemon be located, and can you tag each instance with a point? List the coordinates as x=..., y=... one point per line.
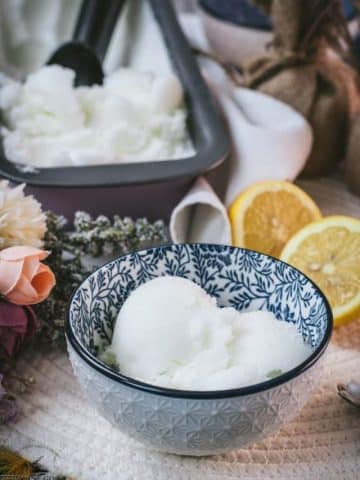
x=266, y=215
x=328, y=251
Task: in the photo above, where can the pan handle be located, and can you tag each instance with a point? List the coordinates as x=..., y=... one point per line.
x=95, y=24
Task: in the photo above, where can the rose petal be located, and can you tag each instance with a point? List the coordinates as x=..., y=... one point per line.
x=10, y=274
x=30, y=267
x=23, y=293
x=13, y=315
x=13, y=335
x=17, y=322
x=33, y=322
x=8, y=340
x=18, y=253
x=43, y=282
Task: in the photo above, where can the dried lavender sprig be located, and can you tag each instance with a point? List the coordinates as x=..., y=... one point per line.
x=95, y=237
x=101, y=236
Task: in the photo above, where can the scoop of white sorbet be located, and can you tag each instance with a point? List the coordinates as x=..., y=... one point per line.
x=171, y=333
x=133, y=117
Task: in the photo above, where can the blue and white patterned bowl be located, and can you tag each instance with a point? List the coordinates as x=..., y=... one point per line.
x=189, y=422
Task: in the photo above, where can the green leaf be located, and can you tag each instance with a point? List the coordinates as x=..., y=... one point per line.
x=109, y=357
x=274, y=373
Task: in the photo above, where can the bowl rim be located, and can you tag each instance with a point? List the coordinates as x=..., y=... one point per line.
x=118, y=377
x=205, y=9
x=265, y=28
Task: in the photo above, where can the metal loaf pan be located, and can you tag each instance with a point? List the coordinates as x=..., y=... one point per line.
x=139, y=189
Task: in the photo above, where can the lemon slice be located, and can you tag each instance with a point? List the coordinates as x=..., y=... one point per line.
x=328, y=251
x=266, y=215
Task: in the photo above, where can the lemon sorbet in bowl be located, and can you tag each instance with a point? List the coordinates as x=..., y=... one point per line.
x=197, y=349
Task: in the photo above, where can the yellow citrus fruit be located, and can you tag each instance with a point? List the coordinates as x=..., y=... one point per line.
x=266, y=215
x=328, y=251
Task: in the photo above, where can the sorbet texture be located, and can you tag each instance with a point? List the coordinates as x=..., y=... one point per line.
x=134, y=116
x=171, y=333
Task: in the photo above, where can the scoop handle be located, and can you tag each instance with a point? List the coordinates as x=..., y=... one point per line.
x=95, y=24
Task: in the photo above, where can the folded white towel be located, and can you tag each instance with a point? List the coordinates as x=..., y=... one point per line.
x=270, y=140
x=200, y=216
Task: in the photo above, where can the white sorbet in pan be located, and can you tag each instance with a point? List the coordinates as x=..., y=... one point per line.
x=133, y=117
x=171, y=333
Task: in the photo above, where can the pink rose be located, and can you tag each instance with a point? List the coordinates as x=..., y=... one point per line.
x=24, y=280
x=17, y=325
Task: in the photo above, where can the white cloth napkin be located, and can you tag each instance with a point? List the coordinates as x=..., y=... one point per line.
x=200, y=216
x=269, y=139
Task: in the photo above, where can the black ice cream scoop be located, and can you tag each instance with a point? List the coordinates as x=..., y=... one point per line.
x=86, y=51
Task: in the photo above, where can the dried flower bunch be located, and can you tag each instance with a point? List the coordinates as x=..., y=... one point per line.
x=100, y=237
x=13, y=465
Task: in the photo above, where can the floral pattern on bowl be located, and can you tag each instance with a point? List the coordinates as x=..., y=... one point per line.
x=186, y=422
